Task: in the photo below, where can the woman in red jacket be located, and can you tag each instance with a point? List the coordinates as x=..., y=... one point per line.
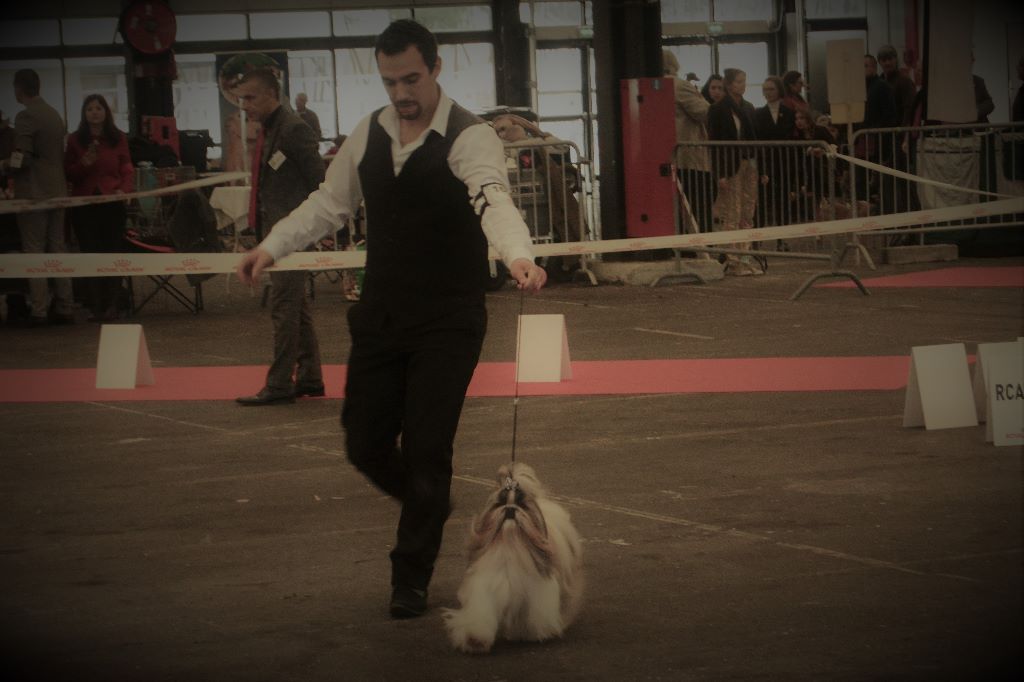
x=97, y=162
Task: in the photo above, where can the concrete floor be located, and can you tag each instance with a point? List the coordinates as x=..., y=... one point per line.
x=728, y=536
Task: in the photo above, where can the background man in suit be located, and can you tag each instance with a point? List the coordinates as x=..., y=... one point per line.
x=37, y=165
x=286, y=168
x=436, y=189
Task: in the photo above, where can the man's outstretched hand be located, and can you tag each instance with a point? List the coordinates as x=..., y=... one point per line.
x=252, y=265
x=527, y=274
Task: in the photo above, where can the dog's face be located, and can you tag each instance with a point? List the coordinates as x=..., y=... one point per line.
x=512, y=515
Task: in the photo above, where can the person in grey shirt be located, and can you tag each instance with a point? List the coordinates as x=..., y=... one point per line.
x=37, y=165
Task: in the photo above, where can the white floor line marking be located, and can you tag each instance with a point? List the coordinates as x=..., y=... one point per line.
x=668, y=333
x=766, y=427
x=317, y=448
x=696, y=435
x=732, y=532
x=293, y=425
x=256, y=475
x=168, y=419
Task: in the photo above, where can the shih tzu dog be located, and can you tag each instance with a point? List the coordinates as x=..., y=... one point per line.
x=525, y=577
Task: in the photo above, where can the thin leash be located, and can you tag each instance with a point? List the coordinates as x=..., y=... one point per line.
x=515, y=377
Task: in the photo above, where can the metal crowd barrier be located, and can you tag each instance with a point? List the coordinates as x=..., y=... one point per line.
x=551, y=185
x=984, y=157
x=789, y=182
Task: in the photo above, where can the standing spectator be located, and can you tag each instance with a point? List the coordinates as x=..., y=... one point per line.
x=97, y=161
x=735, y=167
x=37, y=165
x=903, y=89
x=691, y=115
x=17, y=306
x=1013, y=159
x=904, y=92
x=810, y=176
x=987, y=154
x=434, y=180
x=308, y=115
x=6, y=145
x=879, y=112
x=714, y=89
x=880, y=109
x=982, y=100
x=793, y=89
x=1017, y=113
x=774, y=121
x=286, y=167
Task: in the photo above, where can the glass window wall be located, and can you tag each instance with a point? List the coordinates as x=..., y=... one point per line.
x=95, y=31
x=196, y=95
x=359, y=90
x=96, y=76
x=312, y=72
x=685, y=11
x=467, y=75
x=289, y=25
x=365, y=22
x=30, y=33
x=695, y=59
x=743, y=10
x=450, y=19
x=559, y=82
x=204, y=27
x=834, y=9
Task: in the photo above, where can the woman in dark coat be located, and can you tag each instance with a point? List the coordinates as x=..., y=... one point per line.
x=774, y=121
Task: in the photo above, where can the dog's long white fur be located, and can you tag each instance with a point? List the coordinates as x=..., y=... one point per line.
x=525, y=579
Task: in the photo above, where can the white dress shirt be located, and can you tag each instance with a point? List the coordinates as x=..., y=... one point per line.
x=477, y=157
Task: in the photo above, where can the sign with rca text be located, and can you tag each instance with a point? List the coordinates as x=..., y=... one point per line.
x=1000, y=367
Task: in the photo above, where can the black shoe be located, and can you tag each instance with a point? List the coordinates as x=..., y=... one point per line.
x=267, y=396
x=408, y=602
x=310, y=390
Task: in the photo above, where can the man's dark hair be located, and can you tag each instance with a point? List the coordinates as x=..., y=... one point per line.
x=264, y=77
x=400, y=34
x=27, y=81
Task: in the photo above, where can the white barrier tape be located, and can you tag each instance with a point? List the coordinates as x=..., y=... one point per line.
x=915, y=178
x=25, y=205
x=93, y=264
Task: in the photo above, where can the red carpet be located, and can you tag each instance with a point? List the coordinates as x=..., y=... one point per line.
x=495, y=379
x=1005, y=276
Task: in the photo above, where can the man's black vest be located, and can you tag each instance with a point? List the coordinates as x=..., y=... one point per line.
x=425, y=249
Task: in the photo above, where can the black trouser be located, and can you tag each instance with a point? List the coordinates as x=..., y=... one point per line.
x=403, y=398
x=99, y=228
